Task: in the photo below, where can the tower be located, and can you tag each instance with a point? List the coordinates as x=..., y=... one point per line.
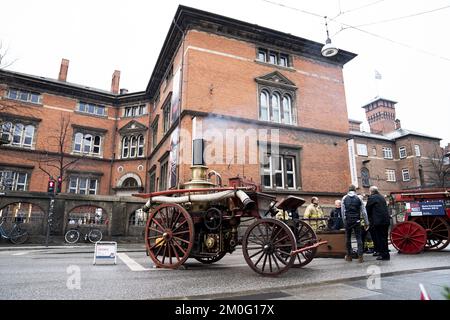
x=380, y=114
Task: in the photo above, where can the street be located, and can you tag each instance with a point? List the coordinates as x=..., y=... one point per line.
x=68, y=273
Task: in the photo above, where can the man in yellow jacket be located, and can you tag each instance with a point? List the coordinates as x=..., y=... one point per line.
x=314, y=211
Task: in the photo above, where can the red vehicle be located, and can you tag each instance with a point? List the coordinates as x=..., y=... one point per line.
x=426, y=225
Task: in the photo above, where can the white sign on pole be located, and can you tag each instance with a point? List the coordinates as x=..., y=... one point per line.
x=352, y=160
x=106, y=251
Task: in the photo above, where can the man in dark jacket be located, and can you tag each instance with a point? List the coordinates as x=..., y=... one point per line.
x=377, y=211
x=335, y=222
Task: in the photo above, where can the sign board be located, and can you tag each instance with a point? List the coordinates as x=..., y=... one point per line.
x=106, y=251
x=352, y=160
x=429, y=208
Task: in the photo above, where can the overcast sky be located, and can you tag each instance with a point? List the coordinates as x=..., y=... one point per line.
x=101, y=36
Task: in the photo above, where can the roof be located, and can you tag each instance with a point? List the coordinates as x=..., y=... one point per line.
x=391, y=136
x=377, y=98
x=354, y=121
x=187, y=18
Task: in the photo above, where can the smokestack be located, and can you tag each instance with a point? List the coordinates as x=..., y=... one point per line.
x=63, y=70
x=398, y=125
x=115, y=82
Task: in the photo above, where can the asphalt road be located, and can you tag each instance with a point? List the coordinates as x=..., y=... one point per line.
x=69, y=273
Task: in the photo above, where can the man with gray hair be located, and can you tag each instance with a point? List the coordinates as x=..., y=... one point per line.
x=352, y=209
x=378, y=213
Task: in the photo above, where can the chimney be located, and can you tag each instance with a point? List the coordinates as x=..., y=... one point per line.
x=63, y=70
x=123, y=91
x=380, y=114
x=115, y=82
x=398, y=125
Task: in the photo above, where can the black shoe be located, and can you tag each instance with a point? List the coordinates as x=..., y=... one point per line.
x=384, y=258
x=376, y=254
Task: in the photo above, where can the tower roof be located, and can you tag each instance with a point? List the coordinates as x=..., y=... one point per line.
x=376, y=99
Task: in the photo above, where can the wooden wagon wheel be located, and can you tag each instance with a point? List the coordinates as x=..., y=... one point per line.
x=438, y=232
x=408, y=237
x=169, y=235
x=212, y=259
x=267, y=244
x=305, y=237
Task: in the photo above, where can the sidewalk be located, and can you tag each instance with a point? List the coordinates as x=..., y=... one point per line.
x=70, y=248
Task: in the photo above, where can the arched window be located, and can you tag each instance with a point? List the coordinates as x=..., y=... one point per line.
x=87, y=143
x=125, y=147
x=133, y=146
x=6, y=130
x=78, y=142
x=18, y=134
x=365, y=177
x=96, y=147
x=264, y=106
x=287, y=109
x=29, y=133
x=276, y=112
x=140, y=146
x=130, y=183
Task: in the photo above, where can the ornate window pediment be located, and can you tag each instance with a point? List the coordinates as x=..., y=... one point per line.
x=132, y=126
x=276, y=79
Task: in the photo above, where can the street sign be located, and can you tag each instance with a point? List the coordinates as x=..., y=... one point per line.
x=106, y=251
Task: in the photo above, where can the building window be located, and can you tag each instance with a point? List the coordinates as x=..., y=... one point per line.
x=153, y=180
x=374, y=151
x=387, y=153
x=163, y=175
x=361, y=149
x=130, y=183
x=135, y=111
x=138, y=218
x=276, y=107
x=417, y=150
x=365, y=177
x=87, y=144
x=13, y=180
x=132, y=146
x=273, y=57
x=279, y=171
x=390, y=175
x=82, y=185
x=91, y=108
x=26, y=96
x=402, y=152
x=405, y=175
x=18, y=134
x=155, y=133
x=166, y=116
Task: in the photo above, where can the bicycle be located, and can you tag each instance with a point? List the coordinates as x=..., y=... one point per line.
x=73, y=235
x=16, y=235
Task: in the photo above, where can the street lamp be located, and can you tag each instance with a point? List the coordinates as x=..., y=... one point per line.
x=328, y=50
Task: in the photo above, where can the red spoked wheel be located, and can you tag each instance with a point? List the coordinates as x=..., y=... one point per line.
x=438, y=232
x=267, y=245
x=305, y=237
x=408, y=237
x=169, y=235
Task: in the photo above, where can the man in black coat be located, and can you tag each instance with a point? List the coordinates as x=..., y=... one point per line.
x=379, y=218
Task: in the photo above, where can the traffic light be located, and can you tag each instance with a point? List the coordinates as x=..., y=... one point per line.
x=51, y=186
x=58, y=185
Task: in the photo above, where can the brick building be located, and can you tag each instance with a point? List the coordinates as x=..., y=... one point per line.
x=214, y=75
x=391, y=157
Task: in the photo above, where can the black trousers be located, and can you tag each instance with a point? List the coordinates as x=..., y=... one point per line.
x=381, y=235
x=356, y=228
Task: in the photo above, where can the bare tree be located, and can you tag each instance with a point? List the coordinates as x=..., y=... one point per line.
x=56, y=160
x=3, y=53
x=439, y=168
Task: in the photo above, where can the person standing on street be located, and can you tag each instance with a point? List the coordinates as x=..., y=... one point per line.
x=315, y=213
x=378, y=213
x=352, y=209
x=335, y=222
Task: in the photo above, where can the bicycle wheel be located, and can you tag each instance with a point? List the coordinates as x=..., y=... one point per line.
x=72, y=236
x=95, y=235
x=18, y=236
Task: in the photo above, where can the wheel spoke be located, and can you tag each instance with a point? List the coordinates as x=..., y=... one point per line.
x=258, y=252
x=262, y=255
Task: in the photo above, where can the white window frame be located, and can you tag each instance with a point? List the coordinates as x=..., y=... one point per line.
x=269, y=171
x=87, y=148
x=276, y=107
x=90, y=108
x=405, y=172
x=390, y=175
x=402, y=152
x=22, y=134
x=14, y=176
x=287, y=116
x=141, y=144
x=417, y=150
x=265, y=107
x=125, y=147
x=29, y=94
x=292, y=159
x=361, y=149
x=387, y=153
x=87, y=189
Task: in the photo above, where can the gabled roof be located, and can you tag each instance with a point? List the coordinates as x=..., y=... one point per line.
x=132, y=126
x=276, y=78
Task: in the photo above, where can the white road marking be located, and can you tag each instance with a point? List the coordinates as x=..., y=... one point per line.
x=133, y=265
x=21, y=253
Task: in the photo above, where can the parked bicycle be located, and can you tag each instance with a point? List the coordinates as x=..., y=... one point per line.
x=16, y=235
x=73, y=235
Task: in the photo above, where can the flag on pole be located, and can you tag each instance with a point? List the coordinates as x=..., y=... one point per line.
x=423, y=293
x=377, y=75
